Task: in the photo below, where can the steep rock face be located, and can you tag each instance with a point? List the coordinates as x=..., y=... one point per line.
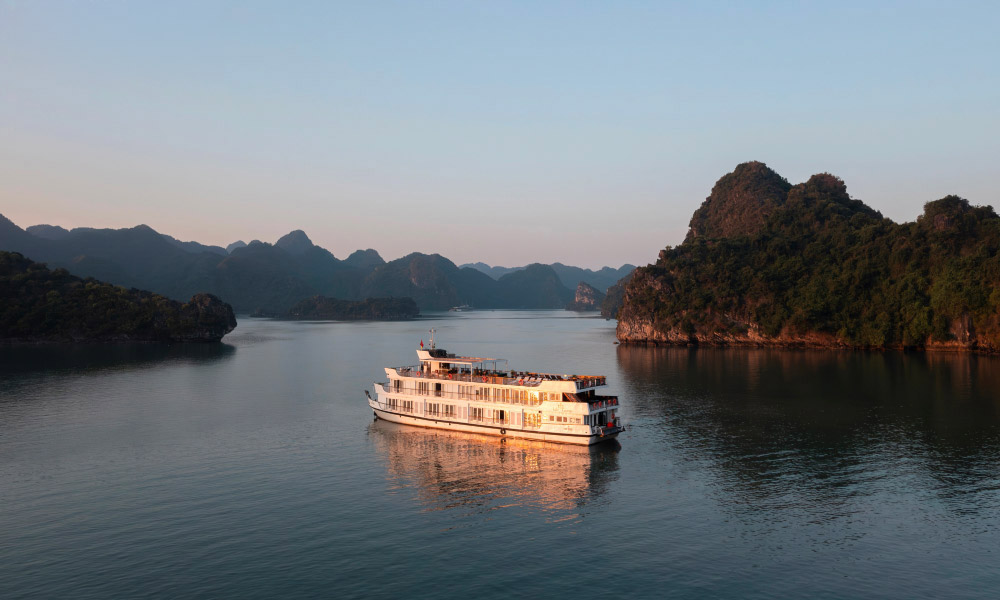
x=587, y=298
x=740, y=202
x=615, y=297
x=825, y=270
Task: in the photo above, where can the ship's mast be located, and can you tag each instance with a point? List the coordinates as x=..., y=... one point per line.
x=432, y=337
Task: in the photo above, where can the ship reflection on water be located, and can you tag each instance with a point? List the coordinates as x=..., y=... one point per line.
x=452, y=470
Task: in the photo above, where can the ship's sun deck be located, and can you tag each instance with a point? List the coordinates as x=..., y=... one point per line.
x=499, y=377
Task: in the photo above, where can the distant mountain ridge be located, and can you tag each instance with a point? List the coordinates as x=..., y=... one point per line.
x=272, y=278
x=601, y=279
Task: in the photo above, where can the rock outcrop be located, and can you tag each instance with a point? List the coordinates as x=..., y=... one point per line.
x=587, y=298
x=615, y=297
x=810, y=266
x=740, y=202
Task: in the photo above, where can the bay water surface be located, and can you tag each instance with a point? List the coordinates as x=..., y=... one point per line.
x=254, y=469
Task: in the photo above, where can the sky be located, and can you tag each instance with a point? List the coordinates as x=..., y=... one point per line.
x=504, y=132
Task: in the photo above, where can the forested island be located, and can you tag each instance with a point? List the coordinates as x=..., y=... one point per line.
x=369, y=309
x=769, y=263
x=42, y=305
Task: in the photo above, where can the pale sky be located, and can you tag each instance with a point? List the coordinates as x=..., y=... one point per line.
x=506, y=132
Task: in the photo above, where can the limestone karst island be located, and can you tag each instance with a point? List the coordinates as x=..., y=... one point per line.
x=769, y=263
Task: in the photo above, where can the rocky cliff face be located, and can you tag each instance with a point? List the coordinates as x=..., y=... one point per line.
x=615, y=297
x=740, y=203
x=820, y=269
x=587, y=298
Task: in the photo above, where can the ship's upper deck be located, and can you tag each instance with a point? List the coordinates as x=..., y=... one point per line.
x=436, y=363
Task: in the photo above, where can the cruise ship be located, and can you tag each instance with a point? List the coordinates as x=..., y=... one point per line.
x=471, y=394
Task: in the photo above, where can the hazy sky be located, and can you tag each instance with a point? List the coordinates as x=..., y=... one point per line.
x=580, y=132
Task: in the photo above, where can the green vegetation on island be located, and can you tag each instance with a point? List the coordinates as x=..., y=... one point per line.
x=40, y=305
x=766, y=262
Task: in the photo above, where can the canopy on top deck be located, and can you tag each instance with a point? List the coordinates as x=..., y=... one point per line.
x=465, y=360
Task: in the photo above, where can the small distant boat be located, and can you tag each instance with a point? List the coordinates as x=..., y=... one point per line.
x=462, y=308
x=468, y=393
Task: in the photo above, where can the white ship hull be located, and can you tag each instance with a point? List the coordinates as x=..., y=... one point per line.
x=499, y=430
x=469, y=394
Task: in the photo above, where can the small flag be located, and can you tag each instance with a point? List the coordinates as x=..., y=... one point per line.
x=421, y=344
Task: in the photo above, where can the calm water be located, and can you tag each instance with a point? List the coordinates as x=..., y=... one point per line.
x=253, y=469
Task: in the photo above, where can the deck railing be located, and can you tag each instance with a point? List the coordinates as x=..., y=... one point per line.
x=595, y=402
x=515, y=378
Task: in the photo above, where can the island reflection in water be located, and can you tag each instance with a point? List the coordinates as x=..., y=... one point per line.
x=825, y=435
x=453, y=470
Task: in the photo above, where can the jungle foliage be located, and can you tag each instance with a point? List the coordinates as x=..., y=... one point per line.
x=38, y=304
x=823, y=262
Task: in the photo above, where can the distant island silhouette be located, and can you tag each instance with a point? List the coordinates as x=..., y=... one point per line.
x=259, y=277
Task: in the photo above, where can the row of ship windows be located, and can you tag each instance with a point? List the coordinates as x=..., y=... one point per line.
x=561, y=419
x=477, y=413
x=444, y=410
x=473, y=392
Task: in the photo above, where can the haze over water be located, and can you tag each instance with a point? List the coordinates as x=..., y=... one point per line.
x=253, y=469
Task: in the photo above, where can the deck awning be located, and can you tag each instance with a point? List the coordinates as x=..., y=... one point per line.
x=462, y=360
